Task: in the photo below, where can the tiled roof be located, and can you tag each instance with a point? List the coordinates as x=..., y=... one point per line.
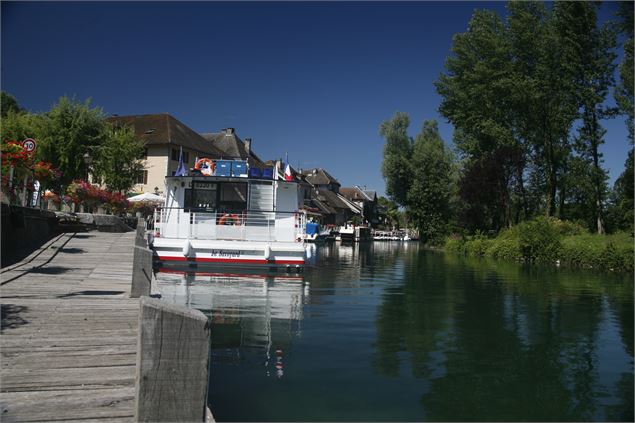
x=330, y=198
x=354, y=194
x=163, y=128
x=231, y=146
x=319, y=176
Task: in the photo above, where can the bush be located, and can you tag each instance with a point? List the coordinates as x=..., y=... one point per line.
x=539, y=240
x=455, y=244
x=506, y=248
x=607, y=252
x=478, y=245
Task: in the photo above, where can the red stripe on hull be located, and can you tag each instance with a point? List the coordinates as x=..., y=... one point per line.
x=235, y=261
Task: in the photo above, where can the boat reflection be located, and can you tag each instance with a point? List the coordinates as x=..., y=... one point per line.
x=254, y=318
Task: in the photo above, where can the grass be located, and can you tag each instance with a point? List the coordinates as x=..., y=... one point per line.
x=551, y=241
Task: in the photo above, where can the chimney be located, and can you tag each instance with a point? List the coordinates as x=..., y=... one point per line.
x=248, y=145
x=229, y=131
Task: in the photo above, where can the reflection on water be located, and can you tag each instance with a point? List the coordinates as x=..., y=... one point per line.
x=252, y=317
x=391, y=332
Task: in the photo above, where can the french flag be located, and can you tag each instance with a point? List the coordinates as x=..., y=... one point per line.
x=287, y=170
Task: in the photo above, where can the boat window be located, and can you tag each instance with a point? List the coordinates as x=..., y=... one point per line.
x=201, y=198
x=233, y=197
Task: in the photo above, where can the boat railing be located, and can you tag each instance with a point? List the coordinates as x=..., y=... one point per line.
x=246, y=225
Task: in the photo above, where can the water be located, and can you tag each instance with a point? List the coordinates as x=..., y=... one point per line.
x=393, y=332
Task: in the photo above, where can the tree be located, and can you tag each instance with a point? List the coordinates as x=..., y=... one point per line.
x=71, y=129
x=393, y=217
x=484, y=190
x=623, y=188
x=8, y=103
x=482, y=96
x=20, y=125
x=622, y=197
x=592, y=57
x=117, y=161
x=396, y=166
x=624, y=91
x=428, y=197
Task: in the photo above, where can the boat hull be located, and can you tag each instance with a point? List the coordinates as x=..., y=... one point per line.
x=230, y=256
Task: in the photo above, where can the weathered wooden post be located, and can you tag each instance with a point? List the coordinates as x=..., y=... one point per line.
x=141, y=272
x=172, y=363
x=140, y=238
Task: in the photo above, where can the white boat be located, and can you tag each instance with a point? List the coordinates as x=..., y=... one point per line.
x=236, y=223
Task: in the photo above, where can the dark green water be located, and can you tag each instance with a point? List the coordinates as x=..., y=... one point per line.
x=392, y=332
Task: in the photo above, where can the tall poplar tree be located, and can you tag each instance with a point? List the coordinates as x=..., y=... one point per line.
x=397, y=150
x=591, y=57
x=429, y=193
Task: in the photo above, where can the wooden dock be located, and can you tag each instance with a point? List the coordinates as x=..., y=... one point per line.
x=69, y=331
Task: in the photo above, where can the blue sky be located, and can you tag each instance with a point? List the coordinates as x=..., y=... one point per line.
x=311, y=79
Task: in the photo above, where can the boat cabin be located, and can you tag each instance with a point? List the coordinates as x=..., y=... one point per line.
x=231, y=205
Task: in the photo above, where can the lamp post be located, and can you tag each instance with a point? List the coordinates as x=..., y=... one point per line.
x=88, y=159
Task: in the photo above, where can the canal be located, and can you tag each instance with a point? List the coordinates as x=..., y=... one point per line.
x=393, y=332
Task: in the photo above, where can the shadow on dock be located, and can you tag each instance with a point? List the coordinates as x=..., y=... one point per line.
x=11, y=317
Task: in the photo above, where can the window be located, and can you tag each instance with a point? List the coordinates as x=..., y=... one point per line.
x=203, y=195
x=233, y=197
x=142, y=178
x=175, y=154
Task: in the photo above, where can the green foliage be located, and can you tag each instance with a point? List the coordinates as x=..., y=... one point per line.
x=397, y=150
x=621, y=212
x=538, y=240
x=8, y=104
x=429, y=193
x=478, y=245
x=117, y=160
x=20, y=125
x=550, y=240
x=71, y=129
x=506, y=247
x=419, y=175
x=393, y=217
x=513, y=90
x=608, y=252
x=624, y=91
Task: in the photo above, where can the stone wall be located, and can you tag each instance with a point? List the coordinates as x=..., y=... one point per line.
x=24, y=230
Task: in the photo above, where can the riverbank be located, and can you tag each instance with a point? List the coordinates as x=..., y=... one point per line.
x=551, y=241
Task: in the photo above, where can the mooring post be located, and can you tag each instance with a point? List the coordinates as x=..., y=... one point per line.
x=141, y=272
x=140, y=238
x=172, y=363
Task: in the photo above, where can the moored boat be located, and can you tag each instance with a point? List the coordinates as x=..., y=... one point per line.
x=232, y=220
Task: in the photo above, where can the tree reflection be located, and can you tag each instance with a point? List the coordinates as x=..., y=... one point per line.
x=502, y=342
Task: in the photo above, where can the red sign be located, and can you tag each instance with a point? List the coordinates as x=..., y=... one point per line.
x=29, y=145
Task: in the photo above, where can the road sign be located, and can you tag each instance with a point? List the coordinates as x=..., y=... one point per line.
x=29, y=145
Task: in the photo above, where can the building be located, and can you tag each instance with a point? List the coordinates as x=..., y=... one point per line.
x=365, y=200
x=322, y=193
x=164, y=135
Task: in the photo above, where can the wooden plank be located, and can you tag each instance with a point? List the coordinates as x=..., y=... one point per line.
x=68, y=404
x=69, y=331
